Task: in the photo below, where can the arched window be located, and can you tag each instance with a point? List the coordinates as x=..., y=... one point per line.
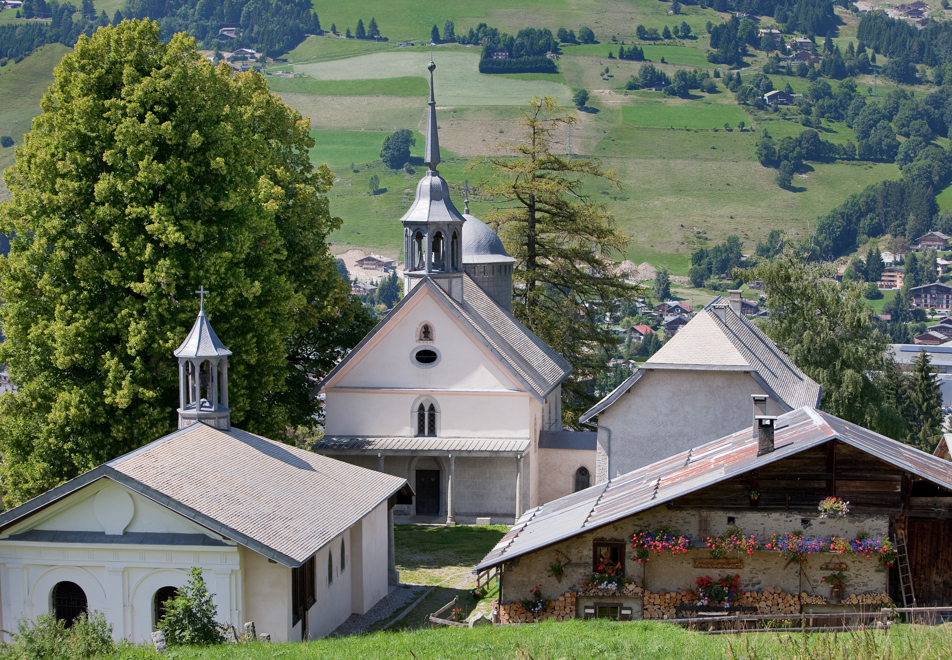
x=343, y=557
x=454, y=252
x=159, y=601
x=330, y=568
x=426, y=419
x=426, y=332
x=439, y=255
x=431, y=420
x=421, y=420
x=418, y=251
x=68, y=601
x=582, y=479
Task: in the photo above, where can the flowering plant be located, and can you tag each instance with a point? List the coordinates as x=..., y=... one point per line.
x=535, y=603
x=834, y=507
x=837, y=581
x=731, y=541
x=865, y=547
x=708, y=591
x=794, y=547
x=663, y=539
x=607, y=576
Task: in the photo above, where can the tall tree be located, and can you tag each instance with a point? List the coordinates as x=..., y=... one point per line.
x=449, y=31
x=360, y=33
x=396, y=148
x=925, y=399
x=662, y=284
x=828, y=332
x=372, y=30
x=564, y=244
x=435, y=35
x=150, y=172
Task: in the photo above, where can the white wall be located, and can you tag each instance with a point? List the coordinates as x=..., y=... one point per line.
x=670, y=411
x=333, y=605
x=369, y=560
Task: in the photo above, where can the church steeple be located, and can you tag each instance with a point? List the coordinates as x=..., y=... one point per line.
x=433, y=227
x=203, y=375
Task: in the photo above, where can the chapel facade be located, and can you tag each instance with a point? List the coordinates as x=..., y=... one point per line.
x=450, y=391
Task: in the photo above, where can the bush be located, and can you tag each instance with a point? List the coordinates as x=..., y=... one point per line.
x=89, y=637
x=190, y=616
x=6, y=141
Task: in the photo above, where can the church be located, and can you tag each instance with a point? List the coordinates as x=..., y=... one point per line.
x=252, y=513
x=450, y=391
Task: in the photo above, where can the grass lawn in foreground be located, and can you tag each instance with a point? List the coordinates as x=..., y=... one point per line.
x=680, y=113
x=588, y=640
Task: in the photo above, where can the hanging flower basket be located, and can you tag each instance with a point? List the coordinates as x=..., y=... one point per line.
x=834, y=507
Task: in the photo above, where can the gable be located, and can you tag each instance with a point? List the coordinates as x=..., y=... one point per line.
x=386, y=361
x=105, y=506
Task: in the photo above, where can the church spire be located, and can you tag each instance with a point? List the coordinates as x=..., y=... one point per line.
x=203, y=375
x=431, y=156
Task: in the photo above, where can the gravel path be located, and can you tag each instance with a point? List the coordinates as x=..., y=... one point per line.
x=397, y=598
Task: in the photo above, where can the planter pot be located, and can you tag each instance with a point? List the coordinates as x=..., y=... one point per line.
x=726, y=562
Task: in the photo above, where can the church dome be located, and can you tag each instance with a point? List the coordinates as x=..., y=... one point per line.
x=481, y=245
x=432, y=203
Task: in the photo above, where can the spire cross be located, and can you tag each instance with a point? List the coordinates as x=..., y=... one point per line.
x=466, y=190
x=201, y=292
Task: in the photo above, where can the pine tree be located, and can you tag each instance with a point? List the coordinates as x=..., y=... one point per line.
x=435, y=35
x=925, y=398
x=563, y=242
x=372, y=30
x=361, y=33
x=449, y=32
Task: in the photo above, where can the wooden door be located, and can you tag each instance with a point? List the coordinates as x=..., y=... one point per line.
x=428, y=492
x=930, y=560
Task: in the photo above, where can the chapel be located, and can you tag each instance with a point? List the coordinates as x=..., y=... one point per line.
x=252, y=513
x=450, y=391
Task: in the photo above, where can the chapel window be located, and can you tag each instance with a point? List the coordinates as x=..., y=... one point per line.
x=68, y=602
x=431, y=420
x=304, y=588
x=583, y=479
x=418, y=251
x=454, y=252
x=438, y=252
x=160, y=602
x=330, y=568
x=343, y=556
x=426, y=420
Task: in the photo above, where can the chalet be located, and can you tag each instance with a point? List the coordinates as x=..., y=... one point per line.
x=799, y=44
x=641, y=332
x=932, y=296
x=890, y=259
x=226, y=34
x=11, y=4
x=674, y=307
x=673, y=323
x=377, y=262
x=362, y=289
x=934, y=240
x=748, y=308
x=805, y=56
x=892, y=278
x=761, y=486
x=777, y=36
x=711, y=368
x=905, y=355
x=657, y=86
x=930, y=338
x=777, y=97
x=500, y=54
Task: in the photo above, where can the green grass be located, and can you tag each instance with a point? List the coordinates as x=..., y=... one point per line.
x=109, y=6
x=425, y=554
x=878, y=305
x=687, y=54
x=700, y=114
x=458, y=79
x=639, y=640
x=320, y=49
x=944, y=199
x=551, y=77
x=407, y=86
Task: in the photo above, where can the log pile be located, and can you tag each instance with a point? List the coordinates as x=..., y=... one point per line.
x=868, y=599
x=661, y=605
x=771, y=600
x=560, y=609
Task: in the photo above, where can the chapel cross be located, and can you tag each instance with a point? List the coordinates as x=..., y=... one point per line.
x=466, y=190
x=201, y=292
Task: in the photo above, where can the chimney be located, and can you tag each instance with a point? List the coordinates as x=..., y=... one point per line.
x=760, y=410
x=765, y=434
x=735, y=301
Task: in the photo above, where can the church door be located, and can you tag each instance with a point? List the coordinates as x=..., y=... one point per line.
x=428, y=492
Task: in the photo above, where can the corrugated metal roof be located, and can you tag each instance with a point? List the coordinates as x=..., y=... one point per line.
x=699, y=468
x=421, y=444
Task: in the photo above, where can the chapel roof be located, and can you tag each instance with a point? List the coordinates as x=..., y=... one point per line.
x=481, y=245
x=201, y=342
x=280, y=501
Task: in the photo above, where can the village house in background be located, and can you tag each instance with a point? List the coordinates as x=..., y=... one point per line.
x=933, y=241
x=936, y=296
x=465, y=401
x=694, y=389
x=762, y=481
x=252, y=513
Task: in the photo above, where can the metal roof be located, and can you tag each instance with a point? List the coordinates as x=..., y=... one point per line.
x=280, y=501
x=481, y=245
x=581, y=440
x=202, y=342
x=416, y=445
x=127, y=538
x=431, y=155
x=699, y=468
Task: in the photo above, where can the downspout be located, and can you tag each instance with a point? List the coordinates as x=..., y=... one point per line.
x=608, y=447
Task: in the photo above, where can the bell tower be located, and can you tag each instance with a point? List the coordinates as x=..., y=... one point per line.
x=203, y=375
x=433, y=227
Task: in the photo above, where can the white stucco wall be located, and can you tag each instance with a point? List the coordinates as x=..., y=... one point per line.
x=267, y=596
x=670, y=411
x=369, y=580
x=559, y=467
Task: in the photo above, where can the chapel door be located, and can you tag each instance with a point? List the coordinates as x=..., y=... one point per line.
x=428, y=492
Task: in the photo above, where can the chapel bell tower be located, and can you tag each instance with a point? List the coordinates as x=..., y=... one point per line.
x=203, y=375
x=433, y=227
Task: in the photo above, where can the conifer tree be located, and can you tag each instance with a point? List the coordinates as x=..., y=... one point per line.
x=435, y=35
x=148, y=173
x=925, y=398
x=372, y=30
x=564, y=244
x=360, y=33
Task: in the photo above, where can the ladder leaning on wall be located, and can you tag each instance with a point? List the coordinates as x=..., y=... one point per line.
x=905, y=573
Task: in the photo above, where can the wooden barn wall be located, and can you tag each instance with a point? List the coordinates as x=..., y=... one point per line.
x=930, y=560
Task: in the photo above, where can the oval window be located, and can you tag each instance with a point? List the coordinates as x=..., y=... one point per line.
x=425, y=356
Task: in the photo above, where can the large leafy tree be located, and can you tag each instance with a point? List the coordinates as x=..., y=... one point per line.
x=395, y=152
x=564, y=244
x=148, y=173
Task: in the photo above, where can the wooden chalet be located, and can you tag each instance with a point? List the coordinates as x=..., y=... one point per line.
x=750, y=484
x=932, y=296
x=934, y=240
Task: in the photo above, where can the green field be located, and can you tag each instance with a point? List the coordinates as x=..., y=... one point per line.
x=378, y=87
x=944, y=199
x=320, y=49
x=665, y=113
x=687, y=54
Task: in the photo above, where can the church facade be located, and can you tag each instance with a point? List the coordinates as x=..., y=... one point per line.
x=251, y=513
x=450, y=391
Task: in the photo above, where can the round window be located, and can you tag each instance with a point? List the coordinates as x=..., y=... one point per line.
x=425, y=356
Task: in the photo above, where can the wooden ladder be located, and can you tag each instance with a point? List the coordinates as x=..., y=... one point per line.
x=905, y=574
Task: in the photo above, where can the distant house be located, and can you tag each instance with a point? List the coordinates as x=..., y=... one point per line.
x=806, y=57
x=889, y=258
x=892, y=278
x=801, y=44
x=500, y=54
x=226, y=34
x=914, y=14
x=377, y=262
x=362, y=289
x=670, y=307
x=656, y=87
x=246, y=52
x=748, y=308
x=930, y=338
x=935, y=295
x=640, y=332
x=770, y=33
x=934, y=240
x=777, y=97
x=11, y=4
x=673, y=323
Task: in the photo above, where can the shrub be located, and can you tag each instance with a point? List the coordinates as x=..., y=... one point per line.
x=89, y=637
x=190, y=616
x=6, y=141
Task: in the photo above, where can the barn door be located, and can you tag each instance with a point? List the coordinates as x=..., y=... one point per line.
x=930, y=560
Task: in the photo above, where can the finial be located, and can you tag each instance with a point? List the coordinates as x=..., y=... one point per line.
x=432, y=153
x=466, y=190
x=201, y=292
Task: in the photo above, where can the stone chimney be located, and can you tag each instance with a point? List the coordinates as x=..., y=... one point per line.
x=765, y=434
x=735, y=301
x=760, y=409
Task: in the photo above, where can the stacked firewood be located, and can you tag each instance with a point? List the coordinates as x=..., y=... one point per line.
x=771, y=600
x=560, y=609
x=867, y=599
x=661, y=605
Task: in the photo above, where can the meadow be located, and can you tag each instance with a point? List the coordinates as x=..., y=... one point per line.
x=680, y=113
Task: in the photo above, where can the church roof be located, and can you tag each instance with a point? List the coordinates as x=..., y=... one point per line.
x=282, y=502
x=529, y=359
x=432, y=203
x=201, y=342
x=481, y=245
